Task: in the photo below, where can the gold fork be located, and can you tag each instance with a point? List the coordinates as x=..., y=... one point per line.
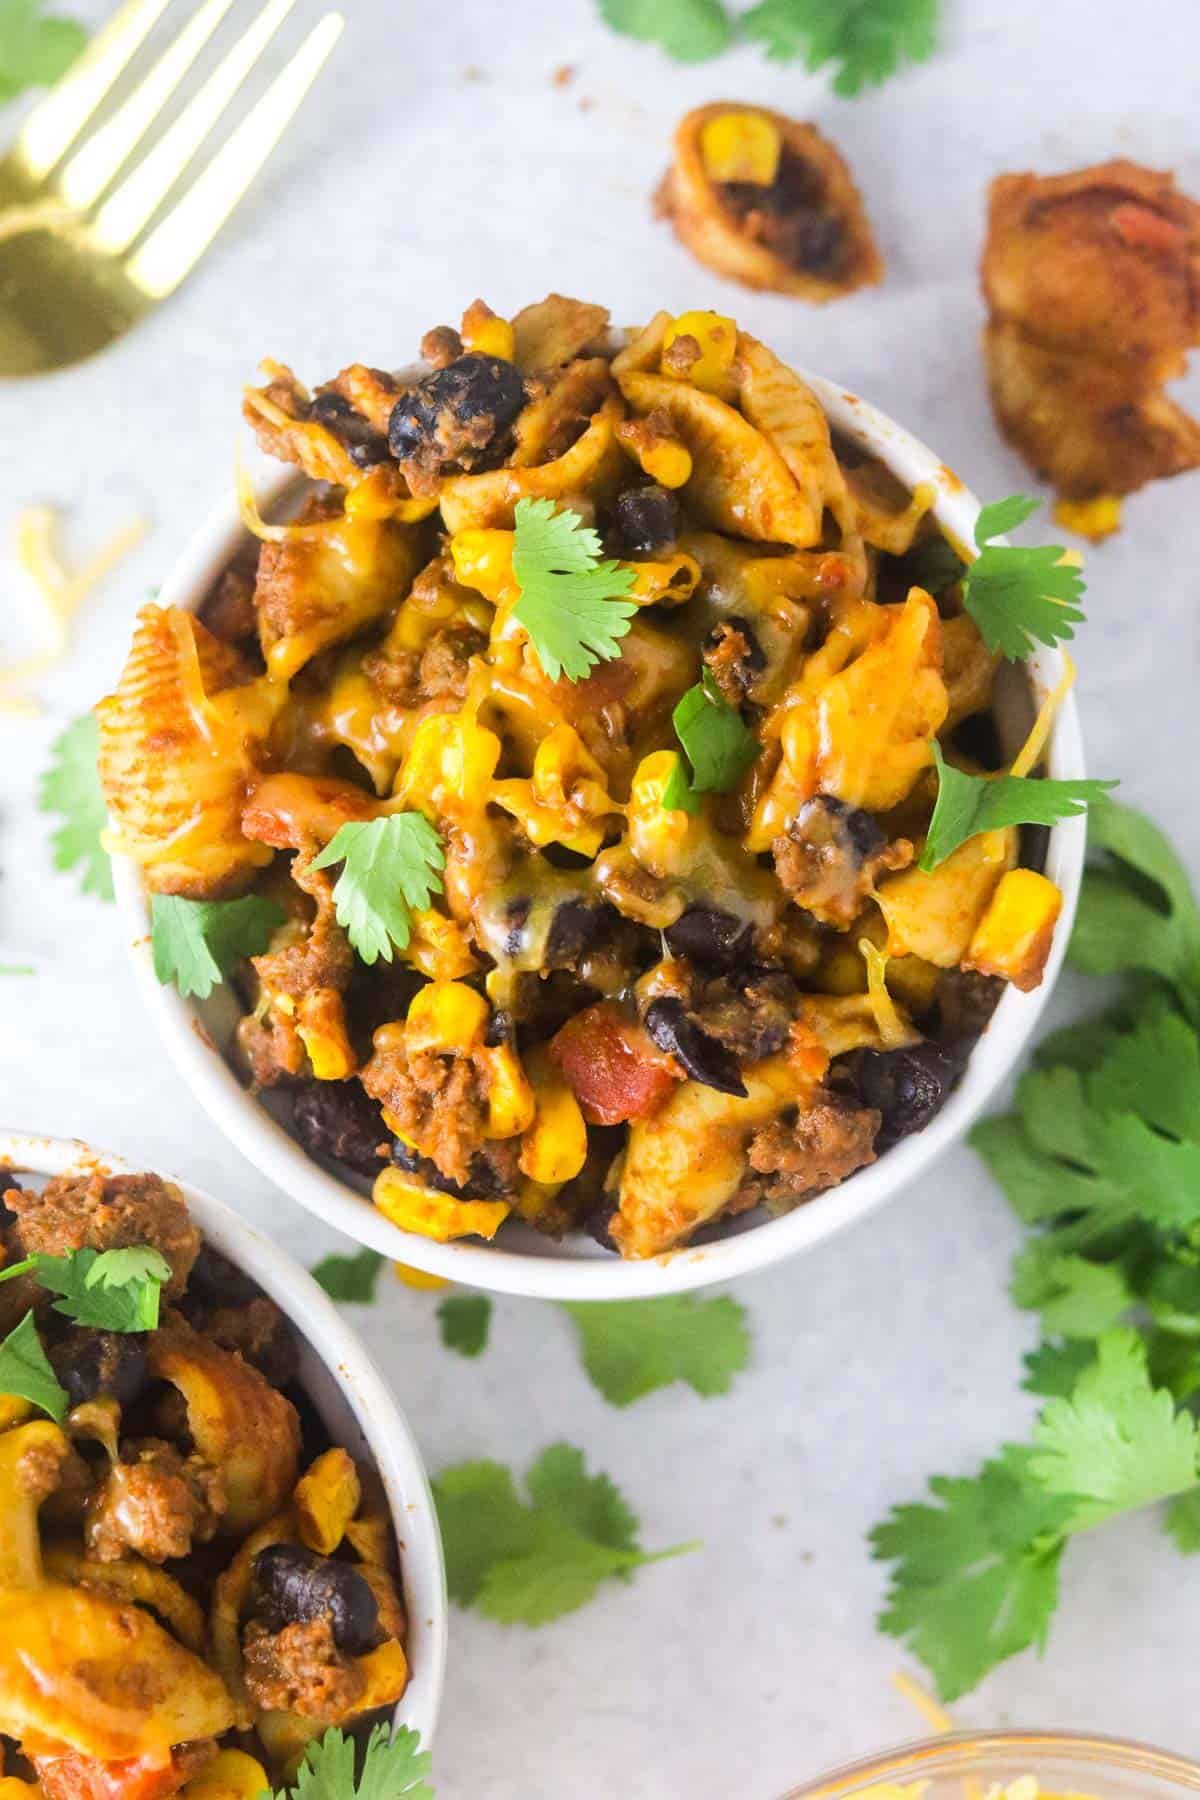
x=82, y=259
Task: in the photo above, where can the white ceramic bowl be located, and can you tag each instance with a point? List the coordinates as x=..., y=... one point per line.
x=344, y=1385
x=522, y=1261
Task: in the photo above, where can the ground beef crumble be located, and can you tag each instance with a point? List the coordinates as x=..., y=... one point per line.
x=819, y=1148
x=155, y=1503
x=439, y=1102
x=300, y=1669
x=95, y=1211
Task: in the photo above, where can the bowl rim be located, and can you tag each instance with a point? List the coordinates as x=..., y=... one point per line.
x=548, y=1272
x=921, y=1759
x=358, y=1380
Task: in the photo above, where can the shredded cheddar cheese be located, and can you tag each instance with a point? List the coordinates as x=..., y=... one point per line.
x=61, y=592
x=1030, y=753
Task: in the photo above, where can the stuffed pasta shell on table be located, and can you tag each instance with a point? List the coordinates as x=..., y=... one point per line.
x=578, y=733
x=195, y=1583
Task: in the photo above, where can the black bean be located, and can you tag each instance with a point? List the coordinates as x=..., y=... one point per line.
x=704, y=1059
x=357, y=435
x=459, y=416
x=646, y=520
x=516, y=918
x=500, y=1029
x=710, y=937
x=598, y=1226
x=481, y=1182
x=826, y=823
x=575, y=927
x=90, y=1364
x=339, y=1119
x=908, y=1087
x=294, y=1586
x=218, y=1282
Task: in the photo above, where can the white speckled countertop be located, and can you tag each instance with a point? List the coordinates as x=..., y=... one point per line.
x=408, y=187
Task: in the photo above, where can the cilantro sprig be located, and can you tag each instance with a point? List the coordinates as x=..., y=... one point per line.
x=25, y=1372
x=465, y=1321
x=70, y=787
x=865, y=41
x=195, y=943
x=633, y=1347
x=718, y=744
x=351, y=1279
x=108, y=1290
x=1020, y=596
x=1100, y=1158
x=36, y=47
x=392, y=1766
x=390, y=868
x=571, y=602
x=969, y=804
x=528, y=1562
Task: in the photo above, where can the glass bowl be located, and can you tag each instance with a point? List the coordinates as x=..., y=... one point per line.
x=1063, y=1763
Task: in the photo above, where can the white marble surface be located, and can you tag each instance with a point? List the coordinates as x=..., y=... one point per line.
x=406, y=189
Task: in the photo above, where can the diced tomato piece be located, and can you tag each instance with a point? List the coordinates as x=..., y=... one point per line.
x=288, y=809
x=1144, y=228
x=76, y=1777
x=612, y=1065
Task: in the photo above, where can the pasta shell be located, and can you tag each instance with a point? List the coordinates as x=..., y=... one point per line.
x=314, y=591
x=593, y=465
x=178, y=741
x=787, y=412
x=555, y=330
x=740, y=482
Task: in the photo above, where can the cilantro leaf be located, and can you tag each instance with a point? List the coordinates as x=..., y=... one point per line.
x=1053, y=1369
x=25, y=1372
x=969, y=804
x=35, y=47
x=108, y=1290
x=349, y=1278
x=195, y=943
x=393, y=1767
x=1086, y=1297
x=1182, y=1520
x=391, y=868
x=933, y=564
x=1020, y=597
x=465, y=1320
x=525, y=1563
x=678, y=794
x=1117, y=1443
x=632, y=1347
x=867, y=40
x=719, y=746
x=70, y=787
x=17, y=969
x=1137, y=909
x=571, y=602
x=976, y=1576
x=688, y=30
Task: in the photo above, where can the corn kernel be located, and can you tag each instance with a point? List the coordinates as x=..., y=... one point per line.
x=1014, y=936
x=231, y=1775
x=486, y=334
x=1095, y=519
x=326, y=1499
x=321, y=1026
x=420, y=1280
x=740, y=146
x=656, y=449
x=13, y=1411
x=386, y=1671
x=717, y=338
x=449, y=766
x=554, y=1148
x=511, y=1105
x=483, y=560
x=413, y=1207
x=438, y=947
x=446, y=1016
x=658, y=835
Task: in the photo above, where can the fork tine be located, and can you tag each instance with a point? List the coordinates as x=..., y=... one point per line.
x=87, y=174
x=132, y=205
x=174, y=246
x=57, y=120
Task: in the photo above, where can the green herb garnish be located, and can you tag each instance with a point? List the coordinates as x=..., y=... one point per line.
x=195, y=943
x=25, y=1372
x=351, y=1279
x=571, y=603
x=465, y=1321
x=969, y=804
x=392, y=867
x=391, y=1767
x=719, y=746
x=70, y=787
x=688, y=30
x=108, y=1290
x=632, y=1347
x=36, y=47
x=525, y=1563
x=1018, y=596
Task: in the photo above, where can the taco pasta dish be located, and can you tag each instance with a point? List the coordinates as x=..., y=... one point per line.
x=579, y=723
x=193, y=1582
